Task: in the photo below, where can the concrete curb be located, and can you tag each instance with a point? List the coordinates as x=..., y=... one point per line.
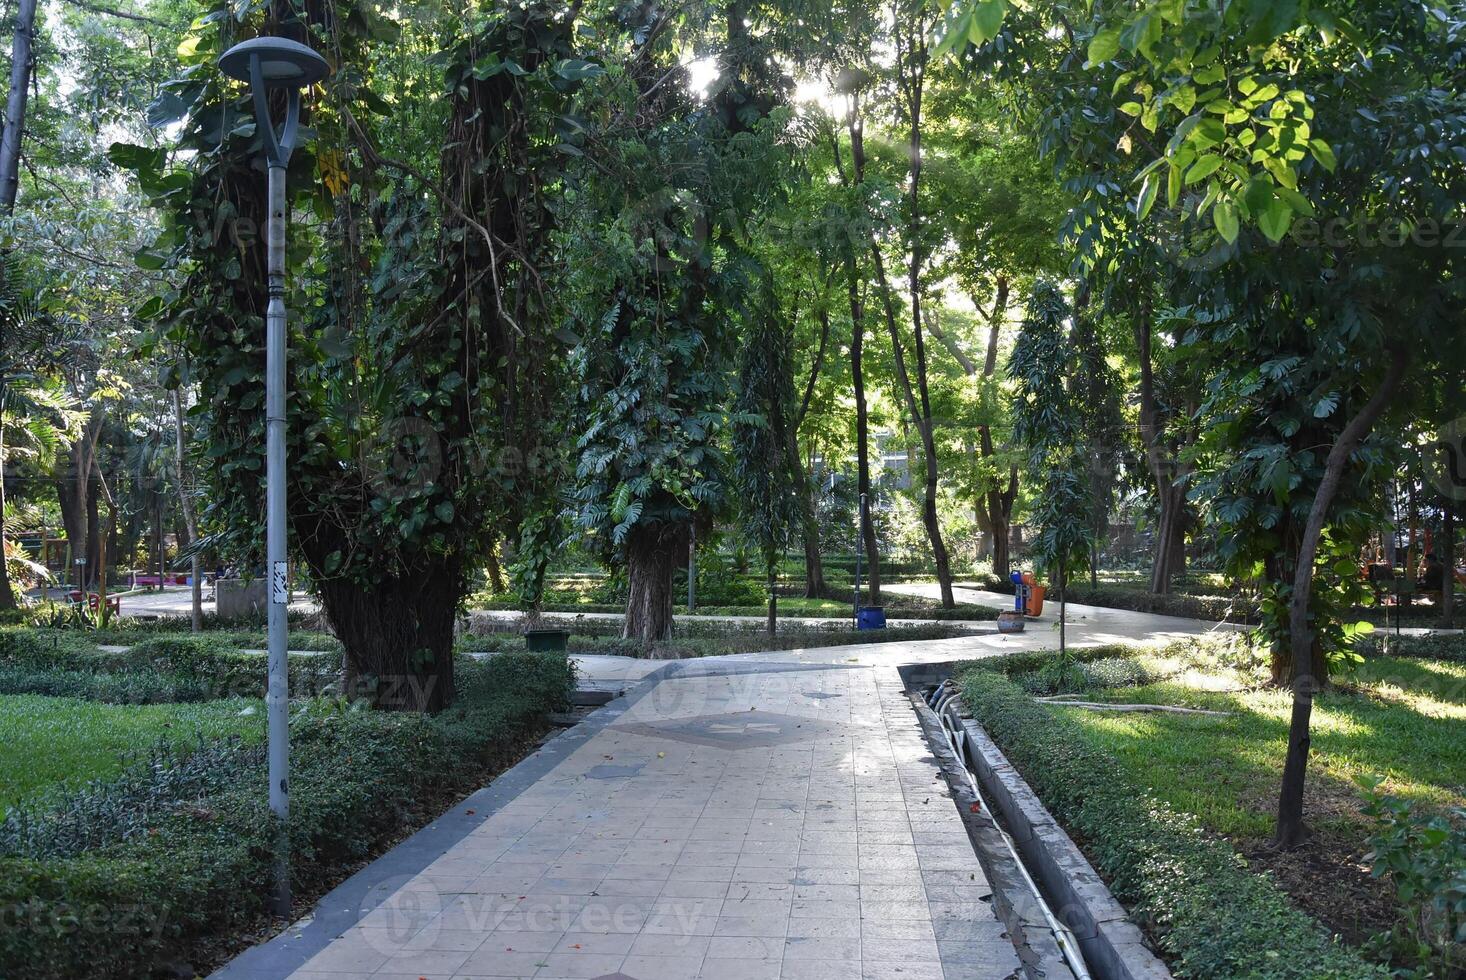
x=1113, y=946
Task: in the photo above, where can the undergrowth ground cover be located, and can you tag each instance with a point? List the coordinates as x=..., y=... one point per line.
x=139, y=840
x=51, y=742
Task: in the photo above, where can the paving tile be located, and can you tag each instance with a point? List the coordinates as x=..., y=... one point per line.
x=805, y=928
x=810, y=838
x=821, y=949
x=739, y=969
x=745, y=947
x=653, y=944
x=497, y=963
x=662, y=967
x=902, y=970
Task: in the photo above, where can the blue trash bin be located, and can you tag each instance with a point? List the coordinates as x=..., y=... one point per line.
x=871, y=618
x=1020, y=592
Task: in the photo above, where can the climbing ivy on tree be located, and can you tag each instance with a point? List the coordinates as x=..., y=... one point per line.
x=423, y=320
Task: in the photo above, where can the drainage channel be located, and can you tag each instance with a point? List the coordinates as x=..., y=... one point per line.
x=1047, y=949
x=1091, y=934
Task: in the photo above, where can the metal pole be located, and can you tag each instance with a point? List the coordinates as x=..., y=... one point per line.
x=859, y=543
x=277, y=696
x=692, y=567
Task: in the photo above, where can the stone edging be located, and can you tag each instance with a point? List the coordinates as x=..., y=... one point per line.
x=1114, y=947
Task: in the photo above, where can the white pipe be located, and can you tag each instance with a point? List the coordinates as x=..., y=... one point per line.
x=1068, y=942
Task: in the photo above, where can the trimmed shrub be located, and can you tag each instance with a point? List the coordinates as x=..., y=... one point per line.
x=1055, y=677
x=109, y=688
x=1215, y=919
x=1432, y=646
x=161, y=870
x=188, y=662
x=1236, y=609
x=231, y=672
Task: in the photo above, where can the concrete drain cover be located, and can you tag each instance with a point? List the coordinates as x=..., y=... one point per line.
x=736, y=730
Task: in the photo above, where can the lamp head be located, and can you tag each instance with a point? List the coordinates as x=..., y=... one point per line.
x=283, y=62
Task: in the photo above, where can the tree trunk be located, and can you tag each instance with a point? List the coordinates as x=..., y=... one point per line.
x=7, y=595
x=773, y=602
x=1169, y=544
x=496, y=573
x=1002, y=550
x=1169, y=497
x=653, y=553
x=190, y=520
x=862, y=430
x=857, y=368
x=912, y=80
x=95, y=541
x=1290, y=830
x=1446, y=551
x=104, y=615
x=814, y=569
x=73, y=493
x=398, y=635
x=21, y=62
x=814, y=566
x=922, y=417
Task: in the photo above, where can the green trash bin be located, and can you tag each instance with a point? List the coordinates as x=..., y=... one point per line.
x=546, y=641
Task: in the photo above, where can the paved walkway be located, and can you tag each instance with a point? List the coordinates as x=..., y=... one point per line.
x=751, y=817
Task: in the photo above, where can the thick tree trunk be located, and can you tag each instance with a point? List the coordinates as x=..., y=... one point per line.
x=74, y=495
x=398, y=635
x=1169, y=544
x=921, y=414
x=1002, y=551
x=1291, y=830
x=104, y=615
x=653, y=553
x=994, y=505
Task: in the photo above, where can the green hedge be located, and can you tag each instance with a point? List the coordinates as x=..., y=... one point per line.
x=186, y=663
x=110, y=688
x=1238, y=609
x=1215, y=919
x=201, y=867
x=1432, y=646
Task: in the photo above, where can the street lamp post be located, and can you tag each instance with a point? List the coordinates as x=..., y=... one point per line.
x=268, y=63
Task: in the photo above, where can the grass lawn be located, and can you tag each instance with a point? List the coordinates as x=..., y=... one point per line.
x=1403, y=719
x=47, y=742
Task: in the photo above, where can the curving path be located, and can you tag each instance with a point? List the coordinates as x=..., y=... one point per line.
x=750, y=817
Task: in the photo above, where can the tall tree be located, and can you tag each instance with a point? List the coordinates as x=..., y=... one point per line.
x=22, y=63
x=765, y=474
x=418, y=371
x=662, y=276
